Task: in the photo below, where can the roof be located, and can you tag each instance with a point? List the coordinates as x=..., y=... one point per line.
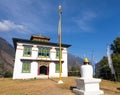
x=39, y=38
x=17, y=40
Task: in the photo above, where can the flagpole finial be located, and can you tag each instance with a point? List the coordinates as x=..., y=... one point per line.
x=60, y=8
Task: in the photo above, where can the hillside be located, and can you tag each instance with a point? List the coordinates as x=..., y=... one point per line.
x=74, y=61
x=6, y=56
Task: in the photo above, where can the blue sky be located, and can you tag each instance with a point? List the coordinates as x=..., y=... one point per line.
x=88, y=25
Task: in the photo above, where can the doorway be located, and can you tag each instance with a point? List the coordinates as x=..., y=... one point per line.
x=43, y=70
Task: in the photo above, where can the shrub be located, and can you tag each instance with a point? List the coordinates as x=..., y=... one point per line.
x=7, y=74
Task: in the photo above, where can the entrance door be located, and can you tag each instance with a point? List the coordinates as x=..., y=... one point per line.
x=43, y=70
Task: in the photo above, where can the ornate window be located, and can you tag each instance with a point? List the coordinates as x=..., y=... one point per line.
x=27, y=51
x=44, y=52
x=26, y=67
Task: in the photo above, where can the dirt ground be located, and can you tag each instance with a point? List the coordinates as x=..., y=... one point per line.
x=49, y=87
x=32, y=87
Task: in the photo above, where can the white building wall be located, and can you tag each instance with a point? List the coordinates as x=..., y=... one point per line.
x=34, y=69
x=52, y=53
x=65, y=65
x=52, y=72
x=18, y=64
x=34, y=54
x=34, y=64
x=52, y=66
x=51, y=69
x=17, y=74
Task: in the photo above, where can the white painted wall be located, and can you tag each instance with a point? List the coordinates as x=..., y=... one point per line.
x=17, y=73
x=65, y=65
x=18, y=64
x=52, y=72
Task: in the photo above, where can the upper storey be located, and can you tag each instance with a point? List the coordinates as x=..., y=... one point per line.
x=38, y=40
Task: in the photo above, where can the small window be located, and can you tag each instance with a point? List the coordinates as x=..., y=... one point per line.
x=47, y=52
x=26, y=67
x=58, y=53
x=27, y=51
x=57, y=68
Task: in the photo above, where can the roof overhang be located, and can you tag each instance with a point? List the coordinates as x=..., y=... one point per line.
x=17, y=40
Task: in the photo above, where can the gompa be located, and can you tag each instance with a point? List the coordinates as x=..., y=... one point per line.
x=39, y=58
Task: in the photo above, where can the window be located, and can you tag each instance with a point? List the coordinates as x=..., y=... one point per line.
x=57, y=68
x=27, y=51
x=26, y=67
x=58, y=53
x=44, y=52
x=48, y=52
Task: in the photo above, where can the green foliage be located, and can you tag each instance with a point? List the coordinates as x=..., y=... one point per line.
x=115, y=46
x=103, y=69
x=7, y=74
x=74, y=71
x=104, y=62
x=116, y=64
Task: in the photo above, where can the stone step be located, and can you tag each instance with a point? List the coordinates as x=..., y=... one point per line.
x=42, y=77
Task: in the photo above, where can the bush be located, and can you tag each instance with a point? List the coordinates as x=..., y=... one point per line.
x=7, y=74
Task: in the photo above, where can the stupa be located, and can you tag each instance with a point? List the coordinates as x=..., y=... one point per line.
x=86, y=84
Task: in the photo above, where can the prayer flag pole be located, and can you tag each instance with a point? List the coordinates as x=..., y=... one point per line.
x=110, y=63
x=60, y=41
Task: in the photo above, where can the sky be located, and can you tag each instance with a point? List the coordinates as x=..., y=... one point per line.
x=88, y=25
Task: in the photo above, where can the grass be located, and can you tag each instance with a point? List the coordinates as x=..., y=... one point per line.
x=49, y=87
x=110, y=87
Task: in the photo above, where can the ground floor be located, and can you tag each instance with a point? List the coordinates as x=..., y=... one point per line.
x=39, y=69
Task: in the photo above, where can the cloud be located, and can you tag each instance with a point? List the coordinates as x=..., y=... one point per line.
x=85, y=20
x=35, y=15
x=7, y=25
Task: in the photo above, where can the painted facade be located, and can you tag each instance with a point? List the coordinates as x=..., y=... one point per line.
x=38, y=58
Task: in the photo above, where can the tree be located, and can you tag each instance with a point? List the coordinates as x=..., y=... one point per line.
x=115, y=46
x=103, y=70
x=116, y=64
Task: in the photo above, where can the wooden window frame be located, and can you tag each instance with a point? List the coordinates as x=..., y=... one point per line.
x=27, y=68
x=28, y=51
x=58, y=53
x=44, y=52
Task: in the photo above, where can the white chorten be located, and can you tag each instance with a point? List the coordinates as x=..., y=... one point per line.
x=87, y=85
x=86, y=71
